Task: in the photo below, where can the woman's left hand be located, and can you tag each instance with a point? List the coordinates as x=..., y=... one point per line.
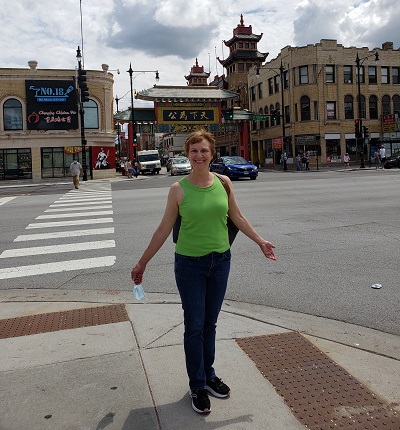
x=267, y=249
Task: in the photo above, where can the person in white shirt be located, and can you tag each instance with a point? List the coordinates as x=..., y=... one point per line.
x=75, y=169
x=382, y=153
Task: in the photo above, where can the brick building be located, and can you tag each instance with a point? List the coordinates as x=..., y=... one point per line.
x=40, y=123
x=320, y=102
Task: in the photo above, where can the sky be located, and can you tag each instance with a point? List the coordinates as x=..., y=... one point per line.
x=168, y=35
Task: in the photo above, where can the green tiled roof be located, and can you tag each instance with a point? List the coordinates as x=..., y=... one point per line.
x=185, y=93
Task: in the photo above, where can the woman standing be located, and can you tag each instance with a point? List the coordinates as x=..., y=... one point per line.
x=202, y=261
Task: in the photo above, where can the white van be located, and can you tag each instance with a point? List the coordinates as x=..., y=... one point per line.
x=148, y=161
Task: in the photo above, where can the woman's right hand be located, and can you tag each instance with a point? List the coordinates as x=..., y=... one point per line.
x=137, y=273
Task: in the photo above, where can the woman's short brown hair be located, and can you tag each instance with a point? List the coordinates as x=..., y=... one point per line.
x=197, y=136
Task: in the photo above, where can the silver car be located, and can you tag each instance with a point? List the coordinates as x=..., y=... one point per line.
x=180, y=166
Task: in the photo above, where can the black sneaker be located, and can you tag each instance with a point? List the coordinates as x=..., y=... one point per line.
x=217, y=388
x=200, y=401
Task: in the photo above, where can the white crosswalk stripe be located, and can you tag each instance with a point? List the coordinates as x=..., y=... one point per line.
x=89, y=206
x=64, y=266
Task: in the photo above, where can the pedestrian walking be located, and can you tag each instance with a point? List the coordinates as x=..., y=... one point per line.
x=202, y=260
x=346, y=160
x=377, y=159
x=307, y=160
x=75, y=169
x=128, y=169
x=382, y=153
x=298, y=161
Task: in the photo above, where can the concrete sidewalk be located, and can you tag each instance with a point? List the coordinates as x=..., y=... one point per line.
x=131, y=374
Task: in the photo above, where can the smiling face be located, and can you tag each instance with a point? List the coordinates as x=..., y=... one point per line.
x=200, y=154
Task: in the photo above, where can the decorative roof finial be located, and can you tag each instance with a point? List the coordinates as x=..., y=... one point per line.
x=241, y=19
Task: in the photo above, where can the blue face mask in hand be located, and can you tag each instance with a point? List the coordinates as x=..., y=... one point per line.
x=138, y=292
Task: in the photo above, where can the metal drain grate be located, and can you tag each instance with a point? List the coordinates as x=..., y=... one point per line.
x=320, y=393
x=54, y=321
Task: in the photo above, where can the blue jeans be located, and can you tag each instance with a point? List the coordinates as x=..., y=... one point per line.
x=202, y=283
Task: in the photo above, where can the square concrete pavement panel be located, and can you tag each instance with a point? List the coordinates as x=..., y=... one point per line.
x=96, y=393
x=253, y=404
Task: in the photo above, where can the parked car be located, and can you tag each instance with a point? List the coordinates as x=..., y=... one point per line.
x=180, y=166
x=393, y=161
x=234, y=167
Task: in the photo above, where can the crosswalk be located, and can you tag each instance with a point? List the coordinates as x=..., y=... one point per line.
x=79, y=221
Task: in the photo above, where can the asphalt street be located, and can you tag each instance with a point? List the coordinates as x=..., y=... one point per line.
x=336, y=234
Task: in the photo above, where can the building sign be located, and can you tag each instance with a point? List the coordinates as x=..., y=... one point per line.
x=188, y=115
x=51, y=105
x=390, y=123
x=189, y=128
x=277, y=142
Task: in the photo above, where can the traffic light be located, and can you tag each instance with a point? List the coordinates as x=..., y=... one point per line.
x=134, y=139
x=274, y=114
x=366, y=133
x=230, y=113
x=357, y=130
x=82, y=84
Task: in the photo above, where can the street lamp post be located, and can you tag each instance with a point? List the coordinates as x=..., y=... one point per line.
x=82, y=116
x=359, y=136
x=130, y=71
x=118, y=130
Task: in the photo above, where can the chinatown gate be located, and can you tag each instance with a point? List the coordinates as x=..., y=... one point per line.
x=183, y=109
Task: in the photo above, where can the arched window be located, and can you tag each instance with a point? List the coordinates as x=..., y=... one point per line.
x=373, y=107
x=12, y=114
x=396, y=104
x=266, y=113
x=91, y=114
x=348, y=107
x=305, y=108
x=271, y=108
x=278, y=117
x=363, y=111
x=386, y=105
x=262, y=124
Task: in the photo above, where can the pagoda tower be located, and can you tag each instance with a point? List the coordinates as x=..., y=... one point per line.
x=243, y=54
x=197, y=77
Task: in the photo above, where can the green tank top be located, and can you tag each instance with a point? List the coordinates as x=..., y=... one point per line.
x=203, y=211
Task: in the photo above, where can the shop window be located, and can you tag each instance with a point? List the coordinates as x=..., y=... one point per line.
x=372, y=79
x=386, y=105
x=91, y=114
x=330, y=74
x=15, y=163
x=305, y=108
x=12, y=114
x=348, y=107
x=385, y=75
x=303, y=75
x=348, y=74
x=330, y=110
x=373, y=107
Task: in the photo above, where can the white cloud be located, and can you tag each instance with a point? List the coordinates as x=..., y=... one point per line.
x=169, y=35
